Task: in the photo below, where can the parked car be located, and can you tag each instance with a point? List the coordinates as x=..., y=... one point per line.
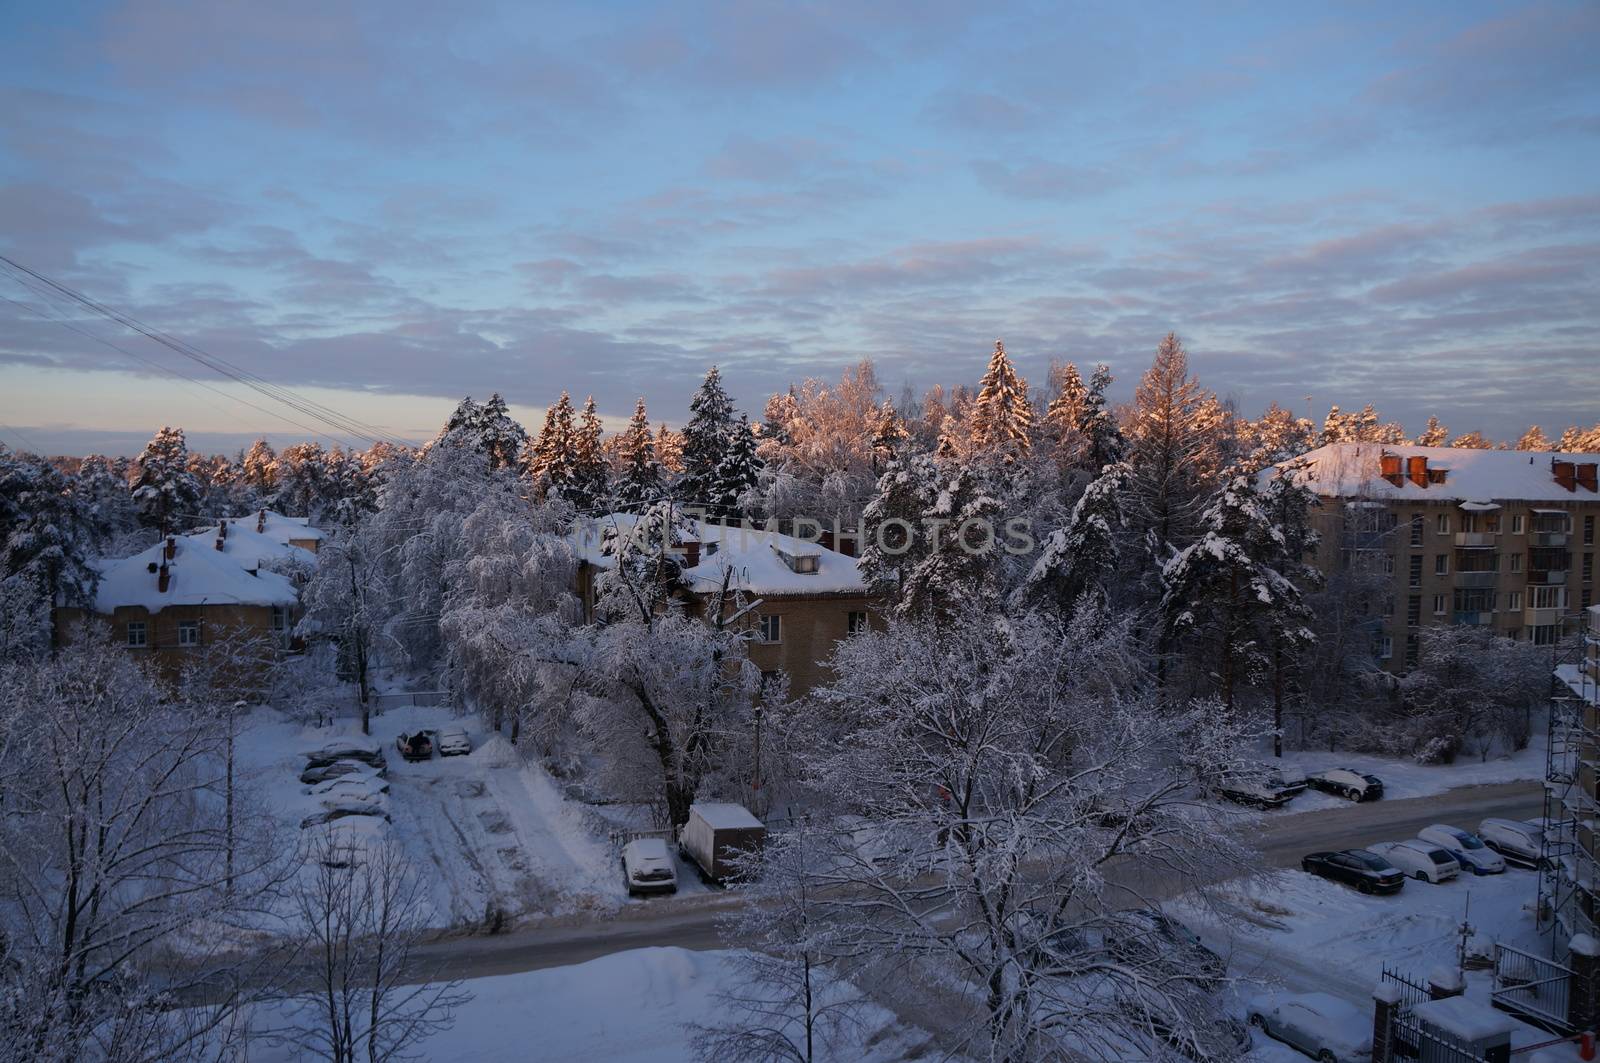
x=417, y=746
x=328, y=815
x=1322, y=1026
x=349, y=784
x=453, y=742
x=340, y=769
x=1467, y=848
x=1347, y=782
x=1361, y=868
x=648, y=867
x=1516, y=840
x=1220, y=1038
x=1139, y=938
x=1148, y=927
x=1419, y=859
x=1258, y=786
x=716, y=834
x=365, y=750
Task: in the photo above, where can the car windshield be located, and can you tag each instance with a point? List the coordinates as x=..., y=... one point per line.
x=1469, y=841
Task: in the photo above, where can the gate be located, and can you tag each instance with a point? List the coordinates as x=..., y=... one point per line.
x=1532, y=988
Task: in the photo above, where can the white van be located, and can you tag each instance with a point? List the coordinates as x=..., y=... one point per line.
x=1420, y=860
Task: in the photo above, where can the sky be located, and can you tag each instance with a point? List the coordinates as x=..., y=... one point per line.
x=386, y=207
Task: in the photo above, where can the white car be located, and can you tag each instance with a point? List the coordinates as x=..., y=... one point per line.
x=1322, y=1026
x=1347, y=782
x=1467, y=848
x=1516, y=840
x=1420, y=859
x=1287, y=778
x=649, y=867
x=452, y=742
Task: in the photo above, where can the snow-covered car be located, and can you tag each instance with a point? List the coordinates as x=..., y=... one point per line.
x=1258, y=786
x=1419, y=859
x=1467, y=848
x=1361, y=868
x=1347, y=782
x=1322, y=1026
x=1150, y=928
x=349, y=784
x=357, y=748
x=1287, y=778
x=453, y=742
x=648, y=867
x=1516, y=840
x=418, y=746
x=340, y=769
x=341, y=811
x=1140, y=938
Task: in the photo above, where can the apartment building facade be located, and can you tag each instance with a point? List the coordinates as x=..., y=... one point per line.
x=1494, y=538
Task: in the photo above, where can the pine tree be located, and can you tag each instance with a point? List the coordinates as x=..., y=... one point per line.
x=589, y=472
x=1065, y=413
x=1534, y=439
x=891, y=525
x=1083, y=557
x=737, y=474
x=957, y=569
x=669, y=451
x=1577, y=440
x=1103, y=441
x=781, y=412
x=260, y=468
x=166, y=493
x=302, y=481
x=500, y=435
x=1291, y=538
x=889, y=434
x=101, y=491
x=549, y=461
x=1224, y=604
x=1275, y=437
x=1175, y=457
x=45, y=540
x=639, y=474
x=1433, y=434
x=1001, y=421
x=1473, y=440
x=705, y=440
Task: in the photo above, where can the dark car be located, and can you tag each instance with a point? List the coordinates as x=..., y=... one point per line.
x=1149, y=929
x=1140, y=938
x=1361, y=868
x=365, y=752
x=1347, y=782
x=417, y=746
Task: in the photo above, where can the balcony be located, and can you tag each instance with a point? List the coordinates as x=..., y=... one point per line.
x=1475, y=539
x=1475, y=580
x=1477, y=618
x=1539, y=617
x=1548, y=577
x=1540, y=538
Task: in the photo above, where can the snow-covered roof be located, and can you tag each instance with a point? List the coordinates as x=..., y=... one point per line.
x=725, y=815
x=1355, y=469
x=197, y=575
x=280, y=528
x=1469, y=1020
x=753, y=555
x=248, y=548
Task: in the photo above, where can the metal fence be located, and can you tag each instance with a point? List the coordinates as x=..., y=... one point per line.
x=422, y=698
x=1531, y=987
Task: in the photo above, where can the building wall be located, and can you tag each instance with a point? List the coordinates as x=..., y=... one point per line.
x=808, y=630
x=1513, y=578
x=218, y=623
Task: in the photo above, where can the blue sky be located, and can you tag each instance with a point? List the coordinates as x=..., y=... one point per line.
x=390, y=206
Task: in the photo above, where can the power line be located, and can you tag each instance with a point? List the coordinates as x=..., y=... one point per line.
x=305, y=406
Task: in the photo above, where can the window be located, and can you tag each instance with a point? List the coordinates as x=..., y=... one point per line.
x=1439, y=604
x=1543, y=634
x=1491, y=523
x=771, y=629
x=1388, y=606
x=280, y=619
x=1416, y=570
x=1588, y=568
x=1414, y=610
x=1388, y=564
x=1442, y=524
x=856, y=622
x=1514, y=601
x=1441, y=564
x=1517, y=526
x=136, y=634
x=1516, y=562
x=1588, y=530
x=1474, y=600
x=1546, y=597
x=1588, y=598
x=188, y=632
x=1416, y=529
x=1413, y=650
x=1385, y=647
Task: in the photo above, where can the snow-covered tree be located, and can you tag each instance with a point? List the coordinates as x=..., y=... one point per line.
x=1291, y=538
x=1471, y=692
x=589, y=471
x=303, y=480
x=826, y=462
x=1172, y=449
x=260, y=468
x=706, y=439
x=549, y=461
x=958, y=565
x=1578, y=440
x=998, y=767
x=669, y=450
x=638, y=472
x=1083, y=557
x=1473, y=440
x=1102, y=438
x=738, y=473
x=1433, y=434
x=45, y=541
x=1534, y=439
x=101, y=490
x=501, y=435
x=1224, y=606
x=1274, y=437
x=165, y=492
x=1001, y=421
x=892, y=540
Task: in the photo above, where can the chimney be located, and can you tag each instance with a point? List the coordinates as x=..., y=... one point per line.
x=1389, y=468
x=691, y=553
x=220, y=541
x=222, y=529
x=163, y=578
x=1586, y=476
x=1566, y=474
x=261, y=522
x=172, y=548
x=1417, y=469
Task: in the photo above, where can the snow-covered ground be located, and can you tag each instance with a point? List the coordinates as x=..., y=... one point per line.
x=629, y=1007
x=1292, y=932
x=490, y=833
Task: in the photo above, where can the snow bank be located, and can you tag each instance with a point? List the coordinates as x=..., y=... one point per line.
x=496, y=752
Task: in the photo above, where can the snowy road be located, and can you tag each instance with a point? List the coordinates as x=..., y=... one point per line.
x=691, y=922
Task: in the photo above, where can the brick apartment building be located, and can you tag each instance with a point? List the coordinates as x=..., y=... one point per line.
x=1499, y=538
